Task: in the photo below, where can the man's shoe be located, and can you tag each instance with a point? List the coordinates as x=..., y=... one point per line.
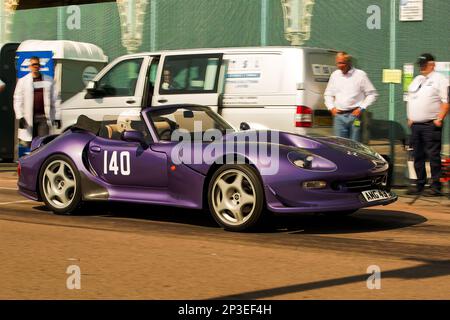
x=432, y=192
x=414, y=191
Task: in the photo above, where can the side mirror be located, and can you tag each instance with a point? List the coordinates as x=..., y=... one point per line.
x=92, y=85
x=92, y=90
x=133, y=136
x=244, y=126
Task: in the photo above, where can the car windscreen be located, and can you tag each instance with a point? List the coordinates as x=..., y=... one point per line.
x=170, y=123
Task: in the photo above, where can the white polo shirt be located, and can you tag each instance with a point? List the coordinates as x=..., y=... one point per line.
x=348, y=91
x=425, y=96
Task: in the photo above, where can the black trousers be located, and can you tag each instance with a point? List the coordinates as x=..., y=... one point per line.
x=40, y=129
x=426, y=141
x=40, y=126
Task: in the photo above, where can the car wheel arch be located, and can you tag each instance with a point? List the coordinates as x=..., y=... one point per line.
x=218, y=163
x=41, y=167
x=68, y=204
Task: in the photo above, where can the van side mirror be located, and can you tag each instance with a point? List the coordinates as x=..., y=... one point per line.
x=244, y=126
x=133, y=136
x=92, y=85
x=93, y=91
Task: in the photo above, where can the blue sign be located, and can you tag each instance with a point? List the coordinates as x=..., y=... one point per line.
x=23, y=62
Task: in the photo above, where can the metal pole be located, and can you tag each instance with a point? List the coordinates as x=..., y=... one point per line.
x=392, y=65
x=264, y=7
x=60, y=22
x=392, y=58
x=153, y=25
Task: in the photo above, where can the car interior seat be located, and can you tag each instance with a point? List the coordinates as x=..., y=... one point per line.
x=164, y=127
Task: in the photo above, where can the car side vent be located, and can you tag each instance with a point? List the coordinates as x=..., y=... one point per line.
x=377, y=182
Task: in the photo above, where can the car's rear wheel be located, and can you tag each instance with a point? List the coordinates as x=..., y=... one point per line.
x=59, y=185
x=236, y=197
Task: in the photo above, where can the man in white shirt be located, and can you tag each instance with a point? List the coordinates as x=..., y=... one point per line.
x=427, y=108
x=35, y=104
x=349, y=92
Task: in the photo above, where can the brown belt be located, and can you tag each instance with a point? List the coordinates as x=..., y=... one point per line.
x=346, y=111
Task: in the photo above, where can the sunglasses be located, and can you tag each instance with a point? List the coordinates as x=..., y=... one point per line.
x=35, y=64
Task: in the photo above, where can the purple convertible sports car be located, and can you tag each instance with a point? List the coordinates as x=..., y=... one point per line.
x=188, y=156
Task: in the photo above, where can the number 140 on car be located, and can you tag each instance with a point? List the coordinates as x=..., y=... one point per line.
x=117, y=164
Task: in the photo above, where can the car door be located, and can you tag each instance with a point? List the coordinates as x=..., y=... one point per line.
x=122, y=163
x=192, y=79
x=121, y=88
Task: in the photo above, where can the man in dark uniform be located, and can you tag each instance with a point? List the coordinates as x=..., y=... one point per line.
x=427, y=108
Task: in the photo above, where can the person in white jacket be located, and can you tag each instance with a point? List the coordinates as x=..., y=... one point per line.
x=35, y=104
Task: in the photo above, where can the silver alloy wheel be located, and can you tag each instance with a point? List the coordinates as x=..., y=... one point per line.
x=233, y=197
x=59, y=184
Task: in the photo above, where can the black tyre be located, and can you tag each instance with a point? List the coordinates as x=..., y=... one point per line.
x=236, y=197
x=59, y=185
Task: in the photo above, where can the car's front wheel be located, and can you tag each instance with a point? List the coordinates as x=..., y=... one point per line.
x=59, y=185
x=236, y=197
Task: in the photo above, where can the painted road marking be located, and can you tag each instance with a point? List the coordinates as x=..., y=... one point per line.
x=5, y=188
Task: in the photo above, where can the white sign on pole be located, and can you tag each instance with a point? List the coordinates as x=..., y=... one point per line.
x=411, y=10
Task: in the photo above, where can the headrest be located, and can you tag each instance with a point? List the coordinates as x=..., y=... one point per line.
x=86, y=123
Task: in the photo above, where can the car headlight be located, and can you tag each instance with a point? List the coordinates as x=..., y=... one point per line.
x=310, y=162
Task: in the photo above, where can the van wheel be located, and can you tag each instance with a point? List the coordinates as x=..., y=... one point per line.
x=236, y=197
x=59, y=185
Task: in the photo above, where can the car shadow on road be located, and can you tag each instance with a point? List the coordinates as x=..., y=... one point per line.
x=144, y=213
x=150, y=213
x=428, y=269
x=365, y=220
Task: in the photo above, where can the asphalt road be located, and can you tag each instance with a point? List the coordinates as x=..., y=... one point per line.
x=148, y=252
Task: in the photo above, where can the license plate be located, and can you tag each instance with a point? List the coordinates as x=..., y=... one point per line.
x=375, y=195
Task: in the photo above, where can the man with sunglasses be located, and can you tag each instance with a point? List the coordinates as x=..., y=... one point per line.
x=426, y=110
x=34, y=104
x=349, y=92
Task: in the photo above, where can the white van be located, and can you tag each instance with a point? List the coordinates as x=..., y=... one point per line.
x=275, y=87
